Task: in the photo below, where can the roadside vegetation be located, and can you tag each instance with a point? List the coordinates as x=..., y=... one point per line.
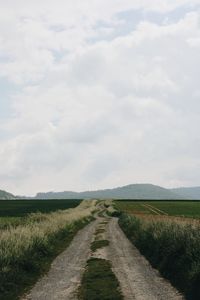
x=27, y=250
x=99, y=282
x=172, y=248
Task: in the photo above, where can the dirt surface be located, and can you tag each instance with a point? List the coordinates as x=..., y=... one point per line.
x=138, y=280
x=62, y=280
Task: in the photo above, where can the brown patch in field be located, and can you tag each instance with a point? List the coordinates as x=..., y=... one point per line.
x=179, y=220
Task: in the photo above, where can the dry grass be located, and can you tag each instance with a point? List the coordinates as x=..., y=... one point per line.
x=15, y=241
x=167, y=219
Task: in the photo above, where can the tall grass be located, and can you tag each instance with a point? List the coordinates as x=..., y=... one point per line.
x=25, y=249
x=174, y=249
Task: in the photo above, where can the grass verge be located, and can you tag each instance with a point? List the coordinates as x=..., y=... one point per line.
x=172, y=248
x=99, y=282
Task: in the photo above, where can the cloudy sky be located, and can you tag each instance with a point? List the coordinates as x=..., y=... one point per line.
x=99, y=93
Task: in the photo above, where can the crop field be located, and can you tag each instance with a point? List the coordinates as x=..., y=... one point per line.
x=189, y=209
x=16, y=212
x=20, y=208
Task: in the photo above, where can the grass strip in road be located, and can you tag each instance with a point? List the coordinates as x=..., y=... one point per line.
x=104, y=222
x=99, y=231
x=101, y=213
x=172, y=248
x=99, y=282
x=97, y=244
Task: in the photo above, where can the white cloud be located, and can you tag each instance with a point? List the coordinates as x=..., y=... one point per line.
x=102, y=113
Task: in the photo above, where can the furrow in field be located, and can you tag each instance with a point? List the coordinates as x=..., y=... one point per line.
x=157, y=209
x=151, y=209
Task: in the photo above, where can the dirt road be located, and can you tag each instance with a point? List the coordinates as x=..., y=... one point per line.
x=138, y=280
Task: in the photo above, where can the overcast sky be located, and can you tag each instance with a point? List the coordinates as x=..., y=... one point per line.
x=99, y=93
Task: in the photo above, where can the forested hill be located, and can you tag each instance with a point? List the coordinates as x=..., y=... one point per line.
x=6, y=196
x=132, y=191
x=188, y=192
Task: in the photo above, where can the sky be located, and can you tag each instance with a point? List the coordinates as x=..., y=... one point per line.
x=99, y=93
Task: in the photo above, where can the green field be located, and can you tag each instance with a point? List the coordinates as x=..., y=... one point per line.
x=15, y=212
x=189, y=209
x=20, y=208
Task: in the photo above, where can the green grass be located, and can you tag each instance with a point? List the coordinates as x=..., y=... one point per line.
x=172, y=248
x=176, y=208
x=20, y=208
x=173, y=208
x=99, y=282
x=99, y=244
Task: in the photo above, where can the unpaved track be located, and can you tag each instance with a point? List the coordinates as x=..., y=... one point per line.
x=137, y=278
x=62, y=280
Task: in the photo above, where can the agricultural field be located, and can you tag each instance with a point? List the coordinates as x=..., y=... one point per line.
x=187, y=209
x=16, y=212
x=20, y=208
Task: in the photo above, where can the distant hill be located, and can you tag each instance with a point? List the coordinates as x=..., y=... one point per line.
x=6, y=196
x=132, y=191
x=188, y=192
